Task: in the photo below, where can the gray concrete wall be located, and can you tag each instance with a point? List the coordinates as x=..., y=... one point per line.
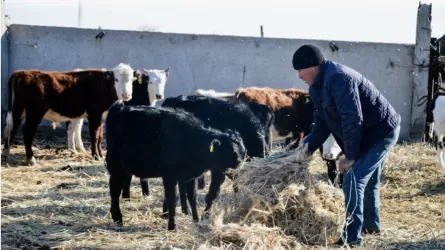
x=4, y=65
x=223, y=63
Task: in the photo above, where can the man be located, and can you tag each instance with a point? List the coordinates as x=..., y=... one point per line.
x=365, y=126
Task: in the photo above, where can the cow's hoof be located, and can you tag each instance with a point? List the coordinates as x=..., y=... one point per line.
x=171, y=226
x=118, y=223
x=185, y=211
x=31, y=161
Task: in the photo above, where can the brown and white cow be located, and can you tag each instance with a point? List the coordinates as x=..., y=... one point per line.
x=64, y=96
x=148, y=89
x=294, y=117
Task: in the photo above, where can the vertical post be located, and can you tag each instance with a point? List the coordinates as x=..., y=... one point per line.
x=420, y=75
x=262, y=33
x=4, y=66
x=79, y=15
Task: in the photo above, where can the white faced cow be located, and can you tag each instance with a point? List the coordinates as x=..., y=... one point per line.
x=148, y=88
x=64, y=96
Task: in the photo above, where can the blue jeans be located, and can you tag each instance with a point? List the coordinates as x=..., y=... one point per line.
x=361, y=186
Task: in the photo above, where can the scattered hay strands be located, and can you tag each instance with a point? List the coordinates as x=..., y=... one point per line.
x=53, y=205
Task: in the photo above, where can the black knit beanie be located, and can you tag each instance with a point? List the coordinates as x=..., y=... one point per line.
x=307, y=56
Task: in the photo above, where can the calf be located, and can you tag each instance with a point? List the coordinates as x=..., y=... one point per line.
x=64, y=96
x=438, y=108
x=293, y=117
x=252, y=121
x=178, y=147
x=331, y=152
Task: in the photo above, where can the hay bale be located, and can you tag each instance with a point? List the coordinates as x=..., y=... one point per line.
x=279, y=191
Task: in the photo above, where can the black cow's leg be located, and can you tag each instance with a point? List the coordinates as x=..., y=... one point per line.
x=94, y=129
x=182, y=196
x=144, y=187
x=340, y=180
x=332, y=170
x=126, y=187
x=170, y=199
x=116, y=181
x=190, y=187
x=201, y=181
x=214, y=189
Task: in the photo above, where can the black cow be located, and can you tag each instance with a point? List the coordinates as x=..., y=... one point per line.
x=252, y=121
x=176, y=146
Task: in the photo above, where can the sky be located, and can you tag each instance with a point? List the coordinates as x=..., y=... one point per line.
x=387, y=21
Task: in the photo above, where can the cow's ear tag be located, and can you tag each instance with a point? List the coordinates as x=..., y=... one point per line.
x=140, y=80
x=211, y=148
x=307, y=100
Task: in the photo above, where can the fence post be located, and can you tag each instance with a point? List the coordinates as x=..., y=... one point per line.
x=420, y=73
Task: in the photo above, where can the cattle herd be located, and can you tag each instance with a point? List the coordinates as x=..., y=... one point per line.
x=181, y=137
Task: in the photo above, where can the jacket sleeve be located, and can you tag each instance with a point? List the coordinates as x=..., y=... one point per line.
x=318, y=135
x=344, y=90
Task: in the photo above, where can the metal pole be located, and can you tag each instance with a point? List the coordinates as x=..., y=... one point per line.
x=79, y=14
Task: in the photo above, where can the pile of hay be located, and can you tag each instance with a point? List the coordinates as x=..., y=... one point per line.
x=279, y=192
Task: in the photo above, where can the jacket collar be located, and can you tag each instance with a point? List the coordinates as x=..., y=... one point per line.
x=319, y=78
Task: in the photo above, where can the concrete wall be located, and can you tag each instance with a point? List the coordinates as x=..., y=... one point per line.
x=223, y=63
x=4, y=64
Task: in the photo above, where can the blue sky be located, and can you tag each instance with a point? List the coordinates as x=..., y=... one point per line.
x=391, y=21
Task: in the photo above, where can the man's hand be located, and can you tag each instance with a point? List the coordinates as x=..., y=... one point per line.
x=345, y=165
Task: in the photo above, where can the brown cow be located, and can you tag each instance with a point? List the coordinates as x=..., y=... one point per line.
x=64, y=96
x=292, y=107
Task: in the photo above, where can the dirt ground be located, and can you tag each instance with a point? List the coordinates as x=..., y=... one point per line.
x=63, y=202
